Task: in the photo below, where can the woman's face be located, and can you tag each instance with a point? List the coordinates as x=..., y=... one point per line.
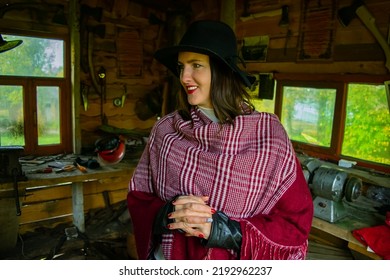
x=195, y=77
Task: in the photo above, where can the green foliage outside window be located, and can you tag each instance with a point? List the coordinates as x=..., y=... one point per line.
x=35, y=57
x=307, y=115
x=35, y=61
x=367, y=124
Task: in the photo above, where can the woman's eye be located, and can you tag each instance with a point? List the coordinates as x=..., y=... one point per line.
x=197, y=65
x=179, y=68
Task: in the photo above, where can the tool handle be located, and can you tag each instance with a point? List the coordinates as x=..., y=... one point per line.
x=81, y=168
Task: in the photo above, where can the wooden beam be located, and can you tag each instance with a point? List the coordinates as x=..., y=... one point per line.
x=228, y=12
x=75, y=72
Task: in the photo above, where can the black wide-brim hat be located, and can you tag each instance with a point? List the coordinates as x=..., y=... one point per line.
x=213, y=38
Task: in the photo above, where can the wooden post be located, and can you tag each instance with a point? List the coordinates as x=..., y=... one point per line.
x=74, y=26
x=228, y=13
x=78, y=206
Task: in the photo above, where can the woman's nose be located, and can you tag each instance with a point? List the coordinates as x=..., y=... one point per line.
x=185, y=74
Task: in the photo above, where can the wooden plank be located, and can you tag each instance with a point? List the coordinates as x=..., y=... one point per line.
x=335, y=230
x=363, y=251
x=122, y=169
x=48, y=193
x=95, y=201
x=129, y=53
x=343, y=230
x=75, y=57
x=323, y=246
x=55, y=208
x=41, y=211
x=328, y=250
x=5, y=25
x=361, y=67
x=316, y=256
x=352, y=52
x=48, y=223
x=325, y=238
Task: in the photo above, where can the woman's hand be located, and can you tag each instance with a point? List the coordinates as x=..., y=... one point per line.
x=192, y=215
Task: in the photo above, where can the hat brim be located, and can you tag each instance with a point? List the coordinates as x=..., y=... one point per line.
x=168, y=57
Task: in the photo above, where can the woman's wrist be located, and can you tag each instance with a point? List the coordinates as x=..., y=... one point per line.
x=225, y=233
x=161, y=220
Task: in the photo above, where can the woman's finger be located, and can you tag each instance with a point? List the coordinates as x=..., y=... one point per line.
x=191, y=229
x=190, y=198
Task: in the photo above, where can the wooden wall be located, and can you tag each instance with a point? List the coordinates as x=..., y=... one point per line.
x=126, y=52
x=353, y=49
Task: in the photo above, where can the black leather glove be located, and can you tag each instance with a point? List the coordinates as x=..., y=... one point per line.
x=161, y=220
x=225, y=233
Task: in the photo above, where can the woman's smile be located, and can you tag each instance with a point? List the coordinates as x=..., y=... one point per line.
x=191, y=89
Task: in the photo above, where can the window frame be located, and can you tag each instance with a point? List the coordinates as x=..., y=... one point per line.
x=340, y=83
x=30, y=85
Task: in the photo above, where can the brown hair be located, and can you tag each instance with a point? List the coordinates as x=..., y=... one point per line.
x=228, y=95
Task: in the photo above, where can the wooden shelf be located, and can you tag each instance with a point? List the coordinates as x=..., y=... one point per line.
x=343, y=231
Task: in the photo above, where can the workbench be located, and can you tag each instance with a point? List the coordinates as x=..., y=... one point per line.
x=343, y=230
x=361, y=212
x=75, y=178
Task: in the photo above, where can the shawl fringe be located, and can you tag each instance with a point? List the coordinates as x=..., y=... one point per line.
x=256, y=246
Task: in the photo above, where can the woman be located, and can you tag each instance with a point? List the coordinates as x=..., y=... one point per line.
x=217, y=179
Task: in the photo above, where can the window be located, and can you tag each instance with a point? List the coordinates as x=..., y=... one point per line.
x=35, y=110
x=346, y=117
x=308, y=114
x=261, y=104
x=367, y=123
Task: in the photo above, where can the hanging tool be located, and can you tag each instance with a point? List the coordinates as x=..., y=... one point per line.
x=119, y=102
x=271, y=13
x=358, y=8
x=84, y=95
x=88, y=13
x=102, y=82
x=284, y=20
x=124, y=95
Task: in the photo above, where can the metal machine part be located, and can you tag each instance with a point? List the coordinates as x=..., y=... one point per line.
x=353, y=189
x=329, y=187
x=309, y=166
x=329, y=183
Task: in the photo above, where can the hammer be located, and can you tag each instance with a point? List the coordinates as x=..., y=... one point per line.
x=358, y=8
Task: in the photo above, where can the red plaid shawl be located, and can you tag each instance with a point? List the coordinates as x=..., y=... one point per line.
x=250, y=172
